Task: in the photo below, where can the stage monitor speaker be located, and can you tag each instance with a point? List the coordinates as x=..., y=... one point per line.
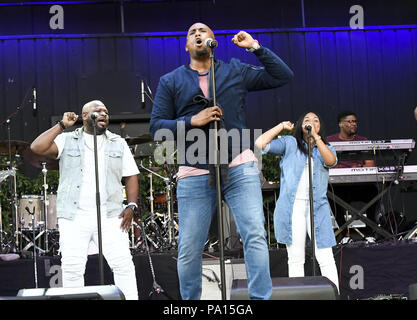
x=298, y=288
x=412, y=291
x=108, y=292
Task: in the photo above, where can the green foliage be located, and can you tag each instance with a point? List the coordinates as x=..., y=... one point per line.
x=24, y=186
x=270, y=167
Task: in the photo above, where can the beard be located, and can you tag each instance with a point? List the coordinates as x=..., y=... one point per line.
x=90, y=126
x=353, y=131
x=201, y=53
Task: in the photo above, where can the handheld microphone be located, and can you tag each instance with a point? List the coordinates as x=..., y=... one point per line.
x=94, y=115
x=308, y=127
x=210, y=43
x=143, y=93
x=34, y=101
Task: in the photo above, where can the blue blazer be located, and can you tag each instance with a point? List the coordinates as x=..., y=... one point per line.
x=176, y=90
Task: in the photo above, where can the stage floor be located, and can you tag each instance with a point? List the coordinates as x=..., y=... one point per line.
x=382, y=270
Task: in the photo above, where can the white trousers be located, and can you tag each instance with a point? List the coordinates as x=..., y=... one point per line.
x=296, y=250
x=74, y=238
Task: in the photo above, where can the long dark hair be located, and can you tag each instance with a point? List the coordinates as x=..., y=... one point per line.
x=299, y=135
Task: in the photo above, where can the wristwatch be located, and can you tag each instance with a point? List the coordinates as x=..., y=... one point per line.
x=255, y=46
x=133, y=206
x=61, y=124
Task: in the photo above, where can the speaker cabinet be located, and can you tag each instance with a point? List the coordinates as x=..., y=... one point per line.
x=109, y=292
x=412, y=291
x=301, y=288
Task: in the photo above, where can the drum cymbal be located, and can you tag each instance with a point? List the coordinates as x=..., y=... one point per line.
x=36, y=160
x=16, y=146
x=139, y=140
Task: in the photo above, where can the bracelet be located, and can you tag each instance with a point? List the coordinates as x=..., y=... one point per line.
x=61, y=124
x=132, y=204
x=317, y=139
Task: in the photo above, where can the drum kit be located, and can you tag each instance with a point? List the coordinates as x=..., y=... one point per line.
x=34, y=227
x=34, y=221
x=159, y=230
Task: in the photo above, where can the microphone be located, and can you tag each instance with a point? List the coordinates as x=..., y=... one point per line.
x=94, y=115
x=210, y=43
x=34, y=101
x=143, y=93
x=308, y=127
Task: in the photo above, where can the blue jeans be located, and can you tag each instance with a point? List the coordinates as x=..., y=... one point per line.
x=196, y=205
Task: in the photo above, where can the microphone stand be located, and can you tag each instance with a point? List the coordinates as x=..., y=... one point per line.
x=218, y=183
x=310, y=183
x=13, y=189
x=100, y=248
x=156, y=288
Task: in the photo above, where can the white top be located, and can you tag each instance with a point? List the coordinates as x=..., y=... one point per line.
x=303, y=192
x=87, y=200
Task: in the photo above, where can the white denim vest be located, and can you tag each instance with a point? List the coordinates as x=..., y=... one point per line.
x=70, y=174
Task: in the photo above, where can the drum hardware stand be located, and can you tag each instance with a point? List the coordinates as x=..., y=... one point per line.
x=35, y=268
x=132, y=235
x=12, y=187
x=33, y=241
x=13, y=191
x=1, y=232
x=2, y=235
x=169, y=201
x=151, y=198
x=170, y=207
x=143, y=235
x=4, y=239
x=411, y=234
x=45, y=204
x=168, y=219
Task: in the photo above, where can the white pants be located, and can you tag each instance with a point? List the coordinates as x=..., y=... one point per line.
x=296, y=250
x=74, y=238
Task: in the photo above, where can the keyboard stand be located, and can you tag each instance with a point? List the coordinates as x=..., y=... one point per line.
x=355, y=214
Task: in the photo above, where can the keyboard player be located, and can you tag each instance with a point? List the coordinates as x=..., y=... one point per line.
x=356, y=195
x=348, y=125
